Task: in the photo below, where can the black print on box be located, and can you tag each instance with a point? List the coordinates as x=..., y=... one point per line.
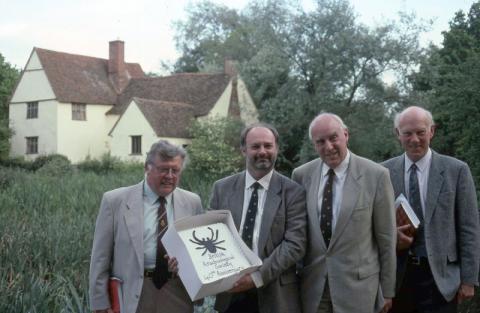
x=209, y=244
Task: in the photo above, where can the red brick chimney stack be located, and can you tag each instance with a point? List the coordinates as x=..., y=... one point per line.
x=229, y=67
x=116, y=65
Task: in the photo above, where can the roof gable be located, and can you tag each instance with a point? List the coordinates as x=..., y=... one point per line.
x=199, y=90
x=166, y=117
x=78, y=78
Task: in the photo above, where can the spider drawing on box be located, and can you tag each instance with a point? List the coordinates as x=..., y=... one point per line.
x=210, y=244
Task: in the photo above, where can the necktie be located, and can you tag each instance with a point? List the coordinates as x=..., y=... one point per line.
x=414, y=192
x=249, y=224
x=160, y=274
x=327, y=204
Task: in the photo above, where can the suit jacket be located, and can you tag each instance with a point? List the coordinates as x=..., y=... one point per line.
x=118, y=243
x=451, y=222
x=281, y=241
x=360, y=260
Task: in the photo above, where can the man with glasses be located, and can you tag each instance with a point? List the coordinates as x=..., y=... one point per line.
x=127, y=237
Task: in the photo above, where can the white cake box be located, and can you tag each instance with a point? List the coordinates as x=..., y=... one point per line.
x=211, y=254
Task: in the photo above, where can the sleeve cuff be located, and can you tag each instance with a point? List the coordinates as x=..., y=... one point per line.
x=257, y=279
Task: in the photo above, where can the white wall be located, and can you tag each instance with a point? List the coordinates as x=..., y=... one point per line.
x=79, y=139
x=44, y=127
x=133, y=123
x=220, y=109
x=34, y=84
x=248, y=110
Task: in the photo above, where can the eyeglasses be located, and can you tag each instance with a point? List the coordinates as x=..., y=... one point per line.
x=166, y=171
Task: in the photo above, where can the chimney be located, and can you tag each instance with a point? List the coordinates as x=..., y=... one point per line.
x=229, y=67
x=117, y=70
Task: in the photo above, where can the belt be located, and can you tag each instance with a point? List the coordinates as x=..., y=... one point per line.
x=417, y=260
x=148, y=273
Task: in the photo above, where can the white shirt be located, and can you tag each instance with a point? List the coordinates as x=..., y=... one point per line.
x=262, y=195
x=423, y=169
x=150, y=223
x=338, y=182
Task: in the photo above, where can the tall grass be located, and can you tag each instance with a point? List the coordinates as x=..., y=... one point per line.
x=46, y=231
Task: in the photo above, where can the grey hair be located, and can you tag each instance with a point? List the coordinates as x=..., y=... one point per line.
x=322, y=114
x=427, y=113
x=165, y=151
x=244, y=133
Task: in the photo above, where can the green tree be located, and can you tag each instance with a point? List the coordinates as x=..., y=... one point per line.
x=298, y=63
x=447, y=83
x=8, y=78
x=215, y=148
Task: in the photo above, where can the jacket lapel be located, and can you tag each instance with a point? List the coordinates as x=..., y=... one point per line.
x=235, y=202
x=313, y=187
x=134, y=220
x=435, y=182
x=272, y=202
x=179, y=205
x=398, y=176
x=350, y=192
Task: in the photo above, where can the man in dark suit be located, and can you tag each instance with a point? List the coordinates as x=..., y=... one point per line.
x=269, y=211
x=125, y=244
x=437, y=267
x=349, y=265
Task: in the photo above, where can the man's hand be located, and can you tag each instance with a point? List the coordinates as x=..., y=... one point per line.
x=387, y=305
x=465, y=292
x=104, y=311
x=403, y=241
x=243, y=284
x=172, y=264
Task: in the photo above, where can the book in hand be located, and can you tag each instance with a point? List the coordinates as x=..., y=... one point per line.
x=115, y=294
x=405, y=215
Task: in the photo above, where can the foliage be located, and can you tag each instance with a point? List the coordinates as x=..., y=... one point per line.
x=214, y=151
x=8, y=78
x=298, y=63
x=47, y=225
x=106, y=164
x=447, y=84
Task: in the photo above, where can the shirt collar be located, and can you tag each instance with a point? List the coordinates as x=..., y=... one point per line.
x=151, y=196
x=422, y=164
x=264, y=181
x=340, y=170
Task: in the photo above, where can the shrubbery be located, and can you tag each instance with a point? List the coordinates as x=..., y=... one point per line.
x=215, y=148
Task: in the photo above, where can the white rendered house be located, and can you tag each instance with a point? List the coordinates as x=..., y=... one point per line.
x=82, y=106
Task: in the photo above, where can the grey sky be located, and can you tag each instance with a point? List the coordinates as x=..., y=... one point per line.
x=86, y=26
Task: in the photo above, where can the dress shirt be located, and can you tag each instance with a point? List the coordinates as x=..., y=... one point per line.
x=338, y=182
x=423, y=169
x=262, y=195
x=150, y=223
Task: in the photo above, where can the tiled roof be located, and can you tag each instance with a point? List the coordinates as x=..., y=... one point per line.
x=78, y=78
x=200, y=90
x=165, y=117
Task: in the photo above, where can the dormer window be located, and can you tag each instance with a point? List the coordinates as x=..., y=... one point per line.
x=79, y=111
x=32, y=109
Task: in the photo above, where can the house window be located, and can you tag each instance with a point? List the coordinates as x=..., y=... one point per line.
x=32, y=145
x=136, y=144
x=32, y=109
x=79, y=112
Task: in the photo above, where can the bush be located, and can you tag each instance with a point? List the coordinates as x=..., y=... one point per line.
x=215, y=147
x=42, y=160
x=55, y=167
x=105, y=164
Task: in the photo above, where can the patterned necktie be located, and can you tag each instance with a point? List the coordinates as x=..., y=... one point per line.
x=414, y=192
x=327, y=212
x=160, y=274
x=249, y=224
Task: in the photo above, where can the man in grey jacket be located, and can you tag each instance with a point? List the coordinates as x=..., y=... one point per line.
x=126, y=241
x=269, y=211
x=438, y=266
